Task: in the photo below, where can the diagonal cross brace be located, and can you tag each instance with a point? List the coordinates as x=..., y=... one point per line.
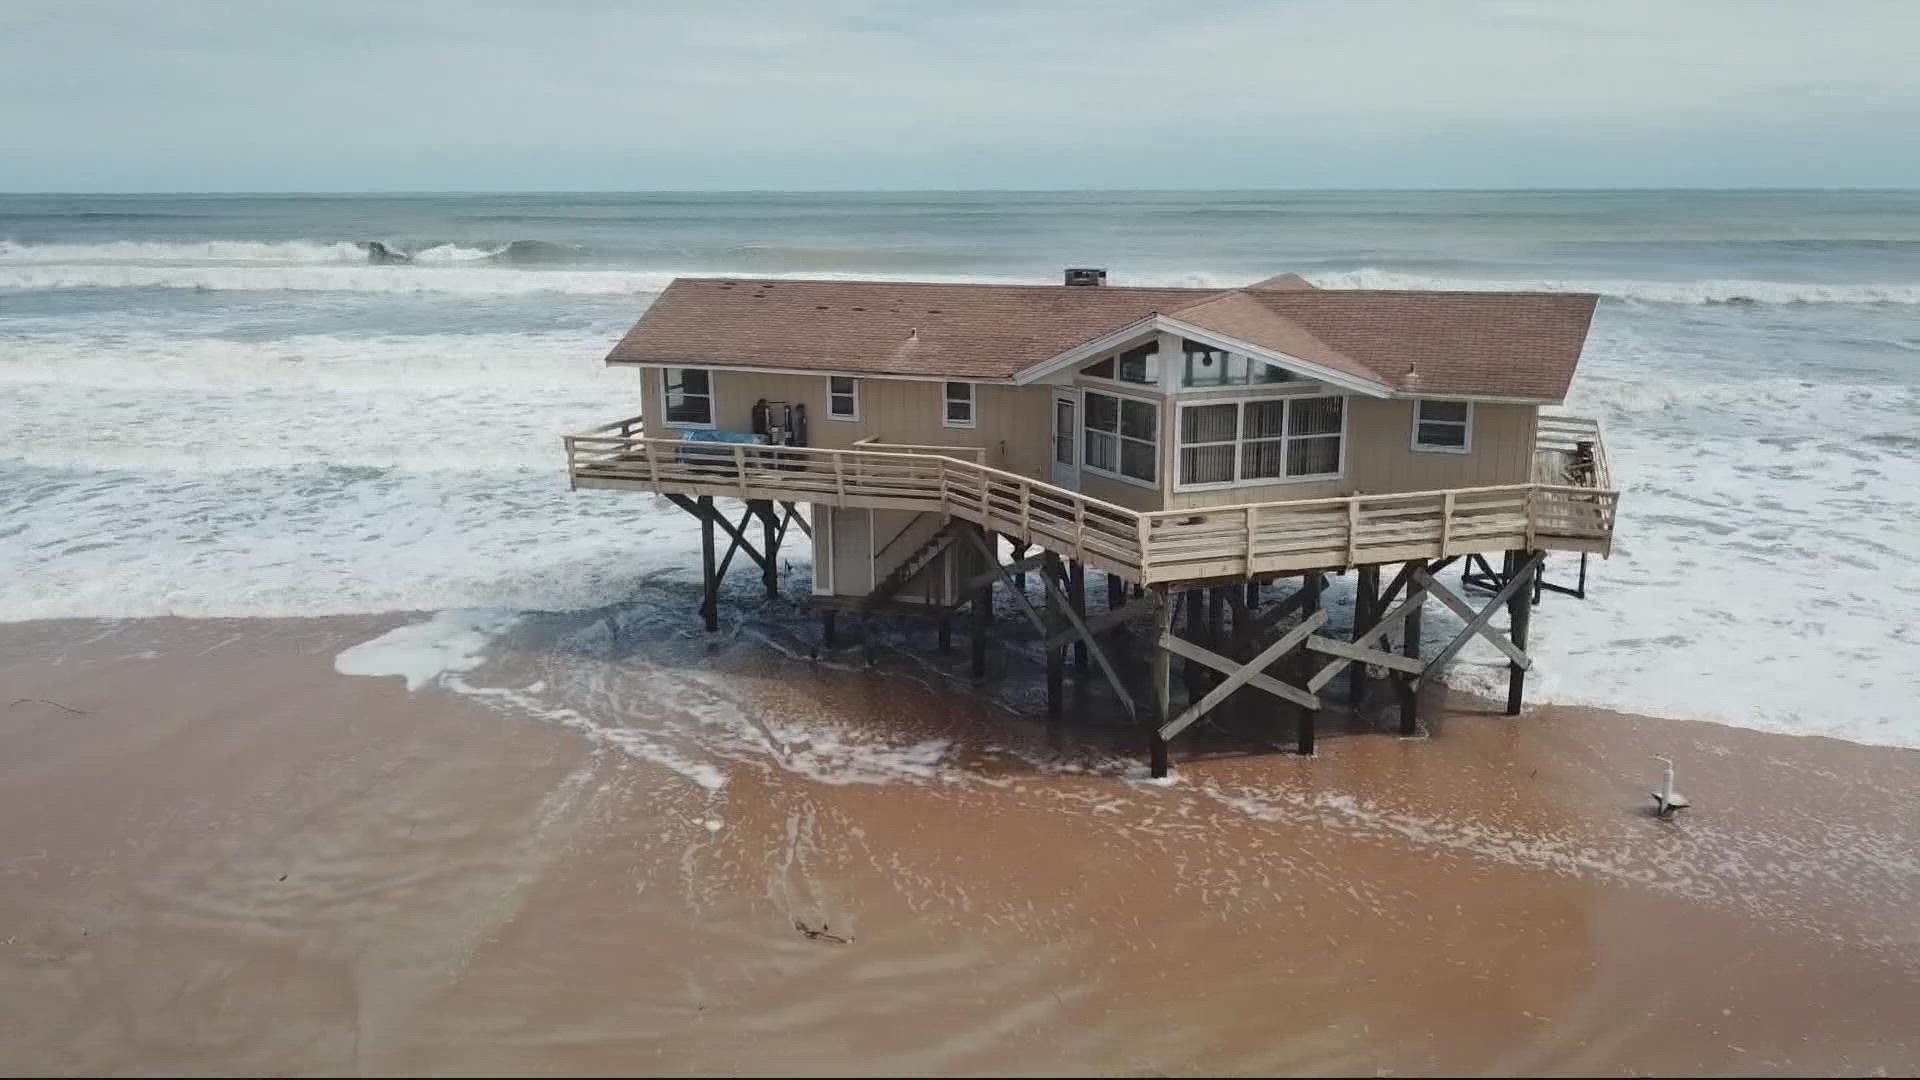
x=1238, y=675
x=1379, y=630
x=1065, y=605
x=1477, y=622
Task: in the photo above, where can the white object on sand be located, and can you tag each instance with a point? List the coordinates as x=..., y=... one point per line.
x=1667, y=802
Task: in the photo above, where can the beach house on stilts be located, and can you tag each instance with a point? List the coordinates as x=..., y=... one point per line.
x=1195, y=445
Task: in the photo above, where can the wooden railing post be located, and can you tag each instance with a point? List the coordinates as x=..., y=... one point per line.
x=1026, y=511
x=839, y=479
x=740, y=466
x=1446, y=522
x=1532, y=494
x=1145, y=525
x=1353, y=531
x=1080, y=530
x=653, y=463
x=1252, y=523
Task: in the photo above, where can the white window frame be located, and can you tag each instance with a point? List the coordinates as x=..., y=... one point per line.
x=1159, y=433
x=1240, y=440
x=947, y=399
x=1115, y=379
x=853, y=393
x=1466, y=442
x=710, y=395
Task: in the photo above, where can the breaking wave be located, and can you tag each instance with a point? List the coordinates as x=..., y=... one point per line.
x=538, y=266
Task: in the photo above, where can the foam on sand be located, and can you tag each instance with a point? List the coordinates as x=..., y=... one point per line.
x=424, y=653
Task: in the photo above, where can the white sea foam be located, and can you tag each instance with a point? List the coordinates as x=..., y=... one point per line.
x=1730, y=291
x=422, y=653
x=13, y=253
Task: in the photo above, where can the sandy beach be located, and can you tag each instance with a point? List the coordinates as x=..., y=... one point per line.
x=224, y=856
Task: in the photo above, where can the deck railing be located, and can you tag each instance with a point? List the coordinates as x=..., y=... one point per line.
x=1168, y=545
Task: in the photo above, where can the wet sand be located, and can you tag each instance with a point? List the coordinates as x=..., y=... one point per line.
x=229, y=858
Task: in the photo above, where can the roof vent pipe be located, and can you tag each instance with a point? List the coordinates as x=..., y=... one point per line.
x=1086, y=275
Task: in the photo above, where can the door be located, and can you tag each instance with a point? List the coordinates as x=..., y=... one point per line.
x=1066, y=439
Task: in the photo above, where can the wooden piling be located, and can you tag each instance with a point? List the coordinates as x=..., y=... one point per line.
x=1310, y=603
x=1410, y=685
x=769, y=549
x=1056, y=655
x=1519, y=616
x=1366, y=593
x=946, y=633
x=709, y=577
x=1216, y=629
x=982, y=620
x=829, y=628
x=1161, y=676
x=1196, y=616
x=1253, y=594
x=1077, y=590
x=1116, y=592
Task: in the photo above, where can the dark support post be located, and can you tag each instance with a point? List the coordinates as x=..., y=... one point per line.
x=1519, y=615
x=1253, y=594
x=1365, y=593
x=710, y=580
x=1077, y=591
x=1162, y=678
x=1116, y=592
x=946, y=633
x=1196, y=615
x=1409, y=686
x=1311, y=585
x=769, y=548
x=1138, y=591
x=982, y=618
x=1216, y=619
x=1056, y=656
x=1019, y=576
x=829, y=630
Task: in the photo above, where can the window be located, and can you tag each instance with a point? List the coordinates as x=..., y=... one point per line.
x=1139, y=365
x=843, y=398
x=1240, y=442
x=1205, y=367
x=688, y=393
x=1122, y=437
x=959, y=405
x=1443, y=426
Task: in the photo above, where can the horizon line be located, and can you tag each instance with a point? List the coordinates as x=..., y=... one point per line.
x=388, y=192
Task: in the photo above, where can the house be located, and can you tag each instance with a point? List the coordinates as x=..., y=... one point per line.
x=1170, y=437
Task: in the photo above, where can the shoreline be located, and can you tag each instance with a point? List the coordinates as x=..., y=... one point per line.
x=233, y=858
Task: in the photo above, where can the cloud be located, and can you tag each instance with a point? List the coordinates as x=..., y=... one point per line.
x=356, y=95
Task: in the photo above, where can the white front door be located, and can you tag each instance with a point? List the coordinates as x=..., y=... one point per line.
x=1066, y=439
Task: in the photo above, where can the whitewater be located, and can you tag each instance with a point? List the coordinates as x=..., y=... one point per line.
x=221, y=408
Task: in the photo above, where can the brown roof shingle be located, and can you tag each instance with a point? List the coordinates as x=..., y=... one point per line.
x=1520, y=345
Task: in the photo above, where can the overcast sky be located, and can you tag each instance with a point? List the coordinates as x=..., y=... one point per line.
x=376, y=95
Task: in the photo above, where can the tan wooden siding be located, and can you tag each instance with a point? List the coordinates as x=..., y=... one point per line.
x=1014, y=426
x=1010, y=422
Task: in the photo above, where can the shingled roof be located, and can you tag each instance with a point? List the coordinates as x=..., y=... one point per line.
x=1469, y=344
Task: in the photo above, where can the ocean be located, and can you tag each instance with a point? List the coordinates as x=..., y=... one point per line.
x=217, y=406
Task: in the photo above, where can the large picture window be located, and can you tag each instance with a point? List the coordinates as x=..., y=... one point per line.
x=688, y=394
x=1444, y=426
x=1277, y=440
x=1122, y=437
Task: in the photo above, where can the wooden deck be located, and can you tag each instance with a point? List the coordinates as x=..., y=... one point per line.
x=1568, y=507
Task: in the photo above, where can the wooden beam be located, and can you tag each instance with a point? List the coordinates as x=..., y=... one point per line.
x=709, y=582
x=1339, y=664
x=1107, y=620
x=1006, y=575
x=1077, y=591
x=1161, y=675
x=1238, y=675
x=1477, y=621
x=1519, y=616
x=1365, y=598
x=1018, y=569
x=794, y=516
x=1064, y=603
x=1336, y=647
